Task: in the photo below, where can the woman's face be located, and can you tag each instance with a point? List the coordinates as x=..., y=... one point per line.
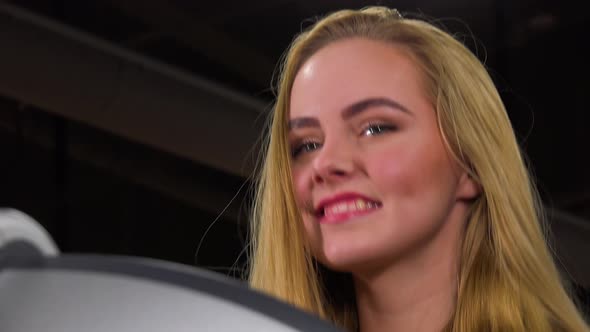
x=372, y=177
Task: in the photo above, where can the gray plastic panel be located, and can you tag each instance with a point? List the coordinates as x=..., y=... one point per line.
x=100, y=293
x=74, y=301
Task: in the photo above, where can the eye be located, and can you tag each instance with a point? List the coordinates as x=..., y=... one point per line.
x=304, y=148
x=373, y=129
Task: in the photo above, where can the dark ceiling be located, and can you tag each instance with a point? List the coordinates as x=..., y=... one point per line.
x=536, y=51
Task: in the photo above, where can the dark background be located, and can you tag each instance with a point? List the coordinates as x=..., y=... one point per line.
x=129, y=127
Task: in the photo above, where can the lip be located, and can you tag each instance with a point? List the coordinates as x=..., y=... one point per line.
x=341, y=217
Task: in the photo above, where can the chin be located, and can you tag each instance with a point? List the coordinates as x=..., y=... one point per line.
x=349, y=260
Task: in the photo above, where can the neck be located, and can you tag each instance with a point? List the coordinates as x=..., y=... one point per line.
x=410, y=303
x=416, y=293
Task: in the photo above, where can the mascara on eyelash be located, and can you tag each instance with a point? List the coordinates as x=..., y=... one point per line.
x=302, y=146
x=382, y=127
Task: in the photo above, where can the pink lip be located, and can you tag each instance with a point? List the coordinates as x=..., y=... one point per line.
x=342, y=217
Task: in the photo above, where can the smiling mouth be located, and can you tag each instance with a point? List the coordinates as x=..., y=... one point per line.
x=344, y=210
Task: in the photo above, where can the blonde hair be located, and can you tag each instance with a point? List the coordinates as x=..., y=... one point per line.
x=507, y=278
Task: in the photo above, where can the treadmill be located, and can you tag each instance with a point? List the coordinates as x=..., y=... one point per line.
x=42, y=289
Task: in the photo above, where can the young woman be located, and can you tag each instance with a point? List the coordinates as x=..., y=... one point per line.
x=393, y=195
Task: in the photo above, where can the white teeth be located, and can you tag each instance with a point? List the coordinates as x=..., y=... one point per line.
x=350, y=206
x=361, y=205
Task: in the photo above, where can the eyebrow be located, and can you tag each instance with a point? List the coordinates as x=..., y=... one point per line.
x=350, y=111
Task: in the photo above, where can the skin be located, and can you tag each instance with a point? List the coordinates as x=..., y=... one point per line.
x=361, y=124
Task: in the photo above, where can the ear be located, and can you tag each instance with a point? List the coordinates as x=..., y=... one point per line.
x=467, y=189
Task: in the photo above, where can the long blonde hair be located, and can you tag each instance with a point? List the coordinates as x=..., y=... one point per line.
x=507, y=278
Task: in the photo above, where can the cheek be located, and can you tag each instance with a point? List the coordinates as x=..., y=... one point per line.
x=411, y=170
x=301, y=186
x=302, y=191
x=391, y=168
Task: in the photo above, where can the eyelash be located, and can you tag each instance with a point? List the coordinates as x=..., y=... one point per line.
x=304, y=146
x=371, y=129
x=376, y=128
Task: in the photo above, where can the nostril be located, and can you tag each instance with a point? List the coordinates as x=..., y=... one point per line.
x=339, y=172
x=318, y=178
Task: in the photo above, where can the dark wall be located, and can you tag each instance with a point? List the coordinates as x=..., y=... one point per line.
x=92, y=208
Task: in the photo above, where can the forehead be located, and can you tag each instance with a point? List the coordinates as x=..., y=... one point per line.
x=349, y=70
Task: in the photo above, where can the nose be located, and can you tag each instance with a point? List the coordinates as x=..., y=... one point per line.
x=334, y=162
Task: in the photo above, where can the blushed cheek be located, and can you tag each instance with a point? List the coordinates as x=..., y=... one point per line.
x=389, y=172
x=300, y=188
x=303, y=197
x=403, y=171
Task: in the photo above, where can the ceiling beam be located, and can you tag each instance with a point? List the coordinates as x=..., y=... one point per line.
x=246, y=62
x=82, y=78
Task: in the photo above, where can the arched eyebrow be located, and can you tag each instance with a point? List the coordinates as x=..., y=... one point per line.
x=350, y=111
x=365, y=104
